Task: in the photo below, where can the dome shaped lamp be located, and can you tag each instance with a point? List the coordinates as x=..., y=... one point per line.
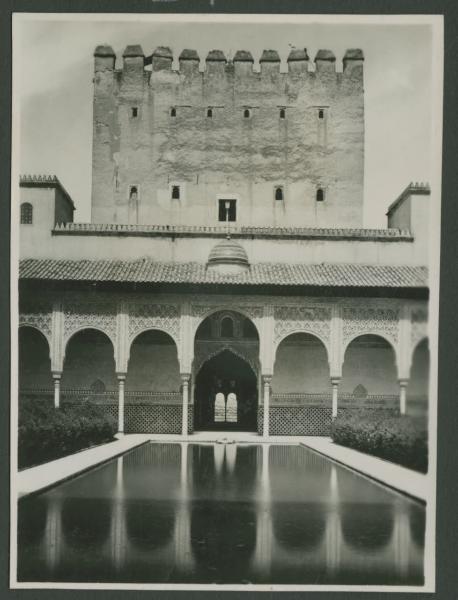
x=228, y=257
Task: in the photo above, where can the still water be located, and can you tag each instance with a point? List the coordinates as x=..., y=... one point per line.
x=221, y=513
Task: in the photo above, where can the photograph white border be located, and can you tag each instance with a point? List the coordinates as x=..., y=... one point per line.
x=436, y=23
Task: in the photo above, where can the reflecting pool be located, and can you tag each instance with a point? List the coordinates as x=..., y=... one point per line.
x=221, y=513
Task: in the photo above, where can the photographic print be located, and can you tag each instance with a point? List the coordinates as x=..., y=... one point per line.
x=225, y=274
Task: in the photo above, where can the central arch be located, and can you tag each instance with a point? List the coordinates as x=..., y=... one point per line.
x=226, y=394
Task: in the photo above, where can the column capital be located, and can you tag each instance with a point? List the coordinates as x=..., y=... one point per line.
x=185, y=377
x=266, y=379
x=335, y=380
x=121, y=376
x=403, y=382
x=56, y=375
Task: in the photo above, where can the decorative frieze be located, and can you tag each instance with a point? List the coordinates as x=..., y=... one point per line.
x=97, y=315
x=165, y=317
x=364, y=321
x=38, y=315
x=307, y=319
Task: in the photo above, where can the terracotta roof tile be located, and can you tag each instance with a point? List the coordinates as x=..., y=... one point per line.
x=149, y=271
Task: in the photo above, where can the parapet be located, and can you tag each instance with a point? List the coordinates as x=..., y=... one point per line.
x=242, y=64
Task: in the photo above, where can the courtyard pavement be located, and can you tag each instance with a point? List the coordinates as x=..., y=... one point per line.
x=43, y=476
x=38, y=478
x=400, y=478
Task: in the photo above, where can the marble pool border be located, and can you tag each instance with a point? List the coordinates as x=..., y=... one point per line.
x=37, y=479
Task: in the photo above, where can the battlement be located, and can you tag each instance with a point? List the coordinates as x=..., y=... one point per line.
x=241, y=64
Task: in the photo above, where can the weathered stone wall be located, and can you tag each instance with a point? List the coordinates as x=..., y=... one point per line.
x=226, y=155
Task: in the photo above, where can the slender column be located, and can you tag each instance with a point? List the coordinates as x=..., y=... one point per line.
x=121, y=384
x=266, y=382
x=185, y=386
x=335, y=389
x=56, y=375
x=403, y=395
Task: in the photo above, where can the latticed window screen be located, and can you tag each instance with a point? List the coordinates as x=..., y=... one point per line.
x=26, y=213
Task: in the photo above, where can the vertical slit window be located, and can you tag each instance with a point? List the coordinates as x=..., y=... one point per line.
x=173, y=112
x=134, y=112
x=320, y=195
x=278, y=193
x=209, y=113
x=175, y=192
x=282, y=113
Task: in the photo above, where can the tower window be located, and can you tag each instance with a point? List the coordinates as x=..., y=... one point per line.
x=134, y=112
x=175, y=192
x=321, y=113
x=209, y=113
x=173, y=112
x=26, y=213
x=246, y=113
x=226, y=210
x=282, y=113
x=320, y=195
x=278, y=192
x=133, y=192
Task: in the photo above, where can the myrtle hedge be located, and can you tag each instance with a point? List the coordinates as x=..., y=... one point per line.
x=46, y=433
x=400, y=439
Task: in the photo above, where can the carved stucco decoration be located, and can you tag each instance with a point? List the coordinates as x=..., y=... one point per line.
x=309, y=319
x=39, y=316
x=419, y=328
x=97, y=315
x=251, y=311
x=165, y=317
x=363, y=321
x=245, y=350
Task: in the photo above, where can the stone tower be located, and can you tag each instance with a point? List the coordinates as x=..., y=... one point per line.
x=196, y=147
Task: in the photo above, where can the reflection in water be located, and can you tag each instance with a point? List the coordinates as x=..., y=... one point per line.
x=222, y=513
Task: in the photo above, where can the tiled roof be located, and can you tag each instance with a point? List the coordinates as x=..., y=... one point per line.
x=146, y=270
x=361, y=234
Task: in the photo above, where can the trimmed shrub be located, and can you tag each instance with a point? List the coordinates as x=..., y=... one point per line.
x=46, y=433
x=399, y=439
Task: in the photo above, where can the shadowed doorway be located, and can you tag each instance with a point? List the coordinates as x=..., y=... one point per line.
x=226, y=395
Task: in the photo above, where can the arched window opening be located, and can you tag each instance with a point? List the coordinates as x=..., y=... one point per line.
x=209, y=113
x=227, y=328
x=133, y=191
x=320, y=195
x=231, y=408
x=97, y=386
x=278, y=193
x=173, y=112
x=175, y=192
x=220, y=408
x=360, y=391
x=26, y=213
x=282, y=113
x=246, y=113
x=321, y=113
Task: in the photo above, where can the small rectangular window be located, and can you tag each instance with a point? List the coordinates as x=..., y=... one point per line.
x=134, y=112
x=278, y=192
x=321, y=113
x=175, y=192
x=226, y=210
